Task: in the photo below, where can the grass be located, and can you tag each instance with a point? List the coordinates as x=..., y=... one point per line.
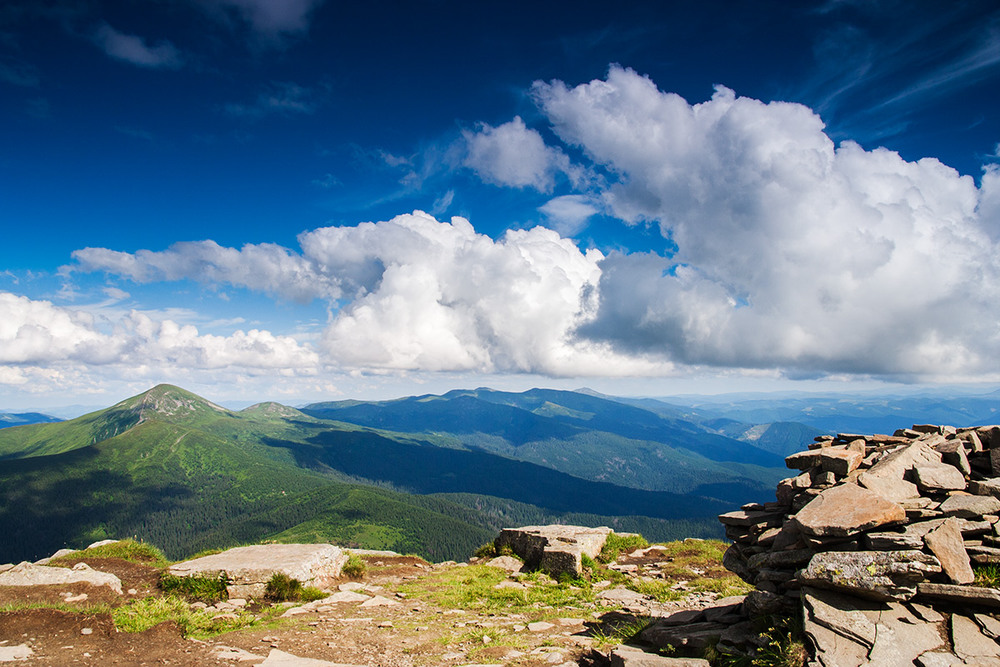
x=781, y=644
x=131, y=550
x=987, y=575
x=204, y=589
x=282, y=588
x=473, y=588
x=142, y=615
x=616, y=544
x=355, y=567
x=619, y=631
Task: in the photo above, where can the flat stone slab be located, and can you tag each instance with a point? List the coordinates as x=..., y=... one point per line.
x=250, y=568
x=29, y=574
x=988, y=597
x=628, y=656
x=845, y=510
x=880, y=575
x=945, y=542
x=278, y=658
x=969, y=507
x=557, y=549
x=12, y=653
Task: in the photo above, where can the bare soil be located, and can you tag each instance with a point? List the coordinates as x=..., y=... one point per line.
x=410, y=633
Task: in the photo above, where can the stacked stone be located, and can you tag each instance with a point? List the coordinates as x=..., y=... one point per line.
x=883, y=518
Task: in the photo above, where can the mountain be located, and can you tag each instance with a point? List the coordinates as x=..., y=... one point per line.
x=175, y=469
x=839, y=413
x=584, y=435
x=8, y=419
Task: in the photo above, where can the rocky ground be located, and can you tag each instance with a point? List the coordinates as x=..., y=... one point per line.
x=402, y=612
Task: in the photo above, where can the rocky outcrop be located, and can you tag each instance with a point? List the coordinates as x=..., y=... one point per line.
x=248, y=569
x=29, y=574
x=555, y=549
x=874, y=541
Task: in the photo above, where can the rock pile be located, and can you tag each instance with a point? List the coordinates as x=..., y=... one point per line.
x=876, y=539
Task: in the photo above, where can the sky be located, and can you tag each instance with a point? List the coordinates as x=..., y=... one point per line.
x=302, y=200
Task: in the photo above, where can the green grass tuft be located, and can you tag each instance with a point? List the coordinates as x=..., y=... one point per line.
x=355, y=567
x=142, y=615
x=204, y=589
x=282, y=588
x=131, y=550
x=616, y=544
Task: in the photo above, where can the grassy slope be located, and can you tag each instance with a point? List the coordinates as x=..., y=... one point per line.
x=178, y=471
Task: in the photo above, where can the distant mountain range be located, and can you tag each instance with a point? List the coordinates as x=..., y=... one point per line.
x=23, y=418
x=435, y=475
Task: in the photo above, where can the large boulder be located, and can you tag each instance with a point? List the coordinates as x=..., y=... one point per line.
x=29, y=574
x=556, y=549
x=248, y=569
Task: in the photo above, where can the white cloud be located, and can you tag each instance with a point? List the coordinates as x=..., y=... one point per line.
x=568, y=214
x=513, y=155
x=413, y=293
x=792, y=253
x=264, y=267
x=39, y=334
x=135, y=50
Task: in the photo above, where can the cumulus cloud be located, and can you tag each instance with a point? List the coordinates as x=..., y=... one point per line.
x=35, y=335
x=263, y=267
x=135, y=50
x=792, y=252
x=793, y=255
x=414, y=293
x=514, y=155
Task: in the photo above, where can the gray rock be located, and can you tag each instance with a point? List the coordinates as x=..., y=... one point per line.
x=840, y=613
x=840, y=461
x=970, y=507
x=250, y=568
x=880, y=575
x=29, y=574
x=953, y=453
x=953, y=593
x=986, y=487
x=846, y=510
x=628, y=656
x=988, y=625
x=945, y=542
x=506, y=563
x=890, y=476
x=901, y=637
x=969, y=642
x=939, y=659
x=692, y=636
x=938, y=478
x=278, y=658
x=18, y=652
x=555, y=549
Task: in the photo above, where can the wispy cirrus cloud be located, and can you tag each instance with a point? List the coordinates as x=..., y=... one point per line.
x=279, y=97
x=135, y=50
x=273, y=21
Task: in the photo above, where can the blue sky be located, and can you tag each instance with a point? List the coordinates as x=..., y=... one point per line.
x=304, y=199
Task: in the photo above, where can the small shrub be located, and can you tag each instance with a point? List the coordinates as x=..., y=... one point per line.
x=141, y=615
x=311, y=593
x=355, y=567
x=616, y=544
x=282, y=588
x=488, y=550
x=204, y=589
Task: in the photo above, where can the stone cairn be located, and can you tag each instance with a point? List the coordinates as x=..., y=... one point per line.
x=875, y=541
